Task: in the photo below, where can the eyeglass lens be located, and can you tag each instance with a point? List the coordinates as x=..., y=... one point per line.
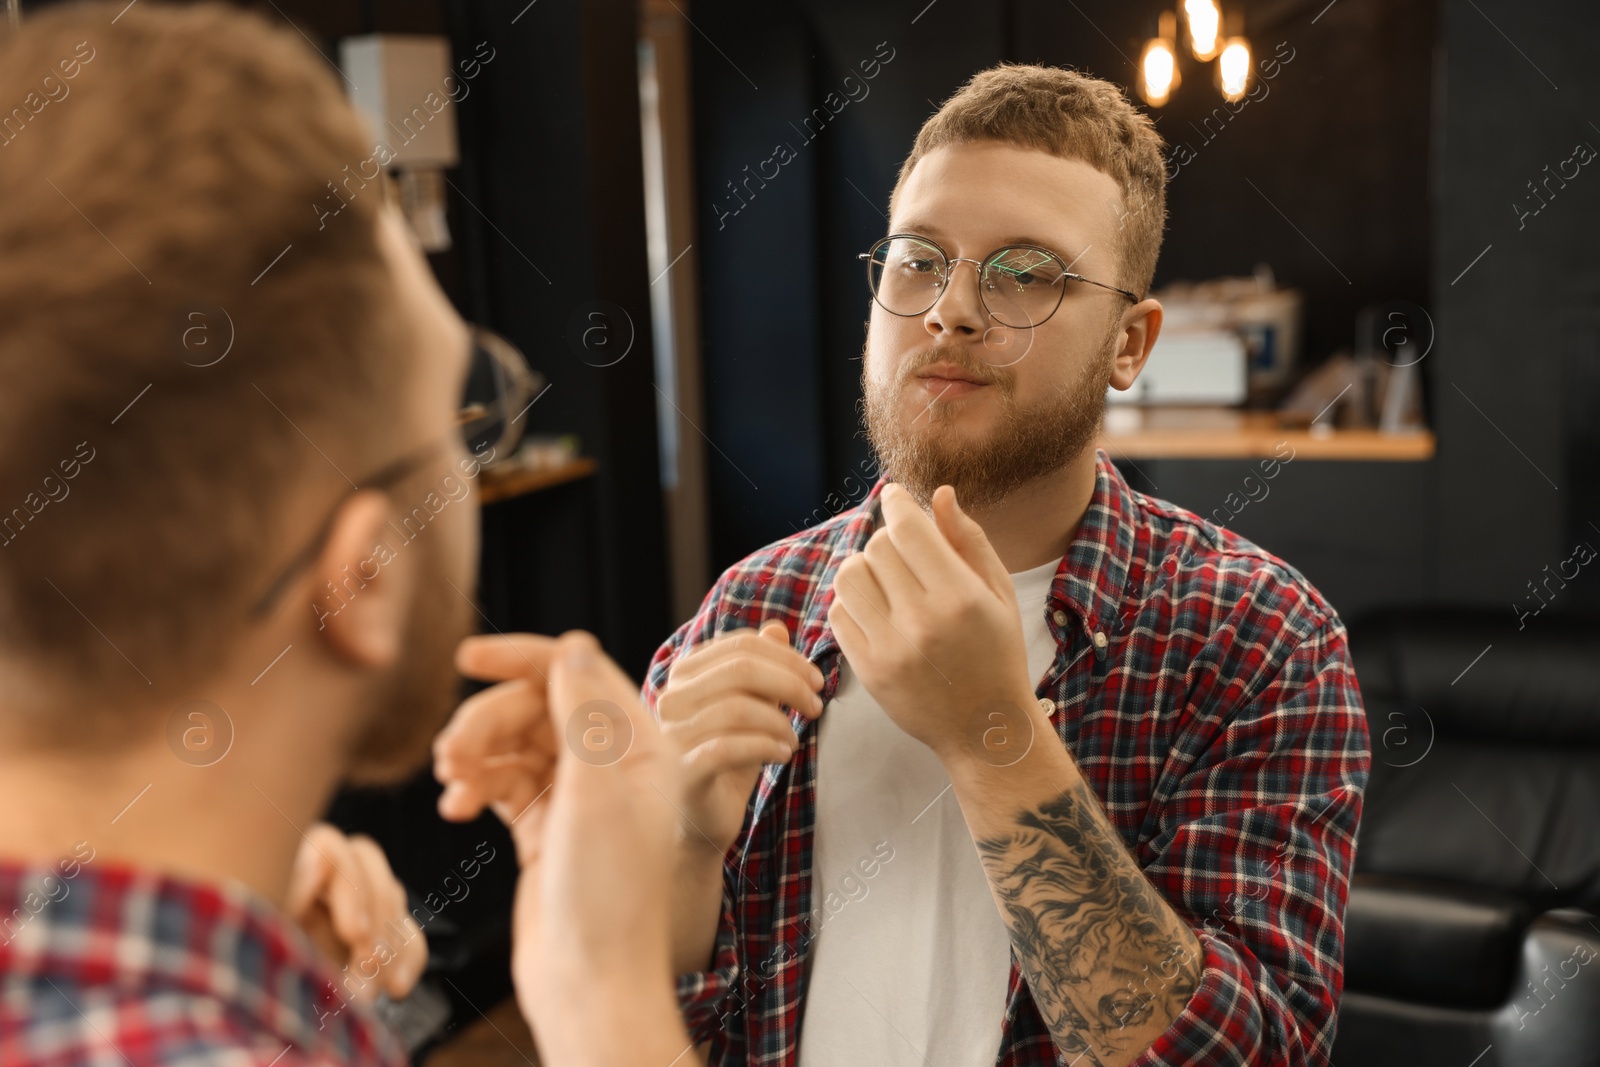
x=498, y=388
x=1020, y=286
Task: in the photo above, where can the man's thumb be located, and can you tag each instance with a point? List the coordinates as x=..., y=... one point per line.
x=594, y=708
x=968, y=538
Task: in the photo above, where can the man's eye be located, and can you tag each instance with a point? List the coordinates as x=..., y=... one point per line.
x=920, y=266
x=1005, y=280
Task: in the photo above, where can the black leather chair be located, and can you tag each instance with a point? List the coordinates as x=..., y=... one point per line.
x=1471, y=936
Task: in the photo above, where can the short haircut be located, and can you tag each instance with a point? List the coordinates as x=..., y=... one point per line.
x=1073, y=116
x=168, y=190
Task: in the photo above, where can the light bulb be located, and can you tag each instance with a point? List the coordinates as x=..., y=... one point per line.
x=1233, y=68
x=1158, y=69
x=1205, y=20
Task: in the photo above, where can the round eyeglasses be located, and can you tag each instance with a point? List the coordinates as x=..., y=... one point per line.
x=1020, y=285
x=499, y=389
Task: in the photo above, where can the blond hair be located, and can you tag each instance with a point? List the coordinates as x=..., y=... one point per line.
x=1073, y=116
x=165, y=204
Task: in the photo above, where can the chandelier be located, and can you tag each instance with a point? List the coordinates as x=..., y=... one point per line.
x=1203, y=22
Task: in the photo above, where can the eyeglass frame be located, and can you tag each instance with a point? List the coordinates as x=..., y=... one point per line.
x=383, y=479
x=1067, y=274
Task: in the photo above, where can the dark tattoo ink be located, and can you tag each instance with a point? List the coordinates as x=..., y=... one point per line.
x=1109, y=964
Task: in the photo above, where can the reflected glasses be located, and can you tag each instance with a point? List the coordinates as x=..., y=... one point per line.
x=1020, y=285
x=498, y=391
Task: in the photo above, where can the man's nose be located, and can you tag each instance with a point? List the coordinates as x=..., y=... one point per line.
x=958, y=311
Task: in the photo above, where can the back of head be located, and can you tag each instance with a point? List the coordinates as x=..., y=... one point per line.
x=1073, y=116
x=187, y=343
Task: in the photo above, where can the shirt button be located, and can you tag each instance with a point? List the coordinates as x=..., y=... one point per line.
x=1047, y=705
x=1100, y=639
x=1060, y=617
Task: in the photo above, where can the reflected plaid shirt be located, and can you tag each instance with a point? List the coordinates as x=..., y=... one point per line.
x=112, y=965
x=1220, y=724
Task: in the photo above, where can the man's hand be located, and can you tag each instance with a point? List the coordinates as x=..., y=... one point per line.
x=499, y=749
x=343, y=894
x=590, y=940
x=721, y=706
x=927, y=617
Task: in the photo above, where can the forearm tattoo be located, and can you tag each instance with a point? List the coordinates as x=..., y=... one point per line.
x=1109, y=964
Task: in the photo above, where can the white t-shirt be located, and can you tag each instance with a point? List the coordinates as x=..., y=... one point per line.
x=911, y=959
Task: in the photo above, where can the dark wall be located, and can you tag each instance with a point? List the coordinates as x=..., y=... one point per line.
x=1325, y=177
x=1323, y=174
x=546, y=211
x=551, y=165
x=1518, y=383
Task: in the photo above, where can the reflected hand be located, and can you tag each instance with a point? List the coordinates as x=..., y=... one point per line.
x=343, y=893
x=721, y=706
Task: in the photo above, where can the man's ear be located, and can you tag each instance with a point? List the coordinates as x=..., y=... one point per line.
x=1141, y=325
x=359, y=584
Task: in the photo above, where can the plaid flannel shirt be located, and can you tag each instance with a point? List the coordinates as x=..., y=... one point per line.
x=1219, y=722
x=103, y=963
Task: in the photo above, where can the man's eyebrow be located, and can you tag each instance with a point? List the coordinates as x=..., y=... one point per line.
x=1069, y=252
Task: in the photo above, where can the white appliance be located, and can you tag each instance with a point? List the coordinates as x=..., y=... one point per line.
x=1191, y=366
x=402, y=84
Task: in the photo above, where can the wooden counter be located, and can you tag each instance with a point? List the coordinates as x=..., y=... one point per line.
x=1228, y=433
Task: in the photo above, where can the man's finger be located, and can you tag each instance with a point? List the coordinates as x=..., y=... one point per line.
x=586, y=685
x=771, y=643
x=733, y=752
x=309, y=874
x=465, y=796
x=515, y=804
x=747, y=675
x=733, y=714
x=853, y=641
x=380, y=899
x=968, y=539
x=500, y=719
x=526, y=824
x=899, y=583
x=920, y=542
x=387, y=907
x=406, y=971
x=856, y=587
x=498, y=657
x=347, y=894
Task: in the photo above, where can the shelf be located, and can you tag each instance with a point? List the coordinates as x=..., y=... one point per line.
x=502, y=483
x=1228, y=433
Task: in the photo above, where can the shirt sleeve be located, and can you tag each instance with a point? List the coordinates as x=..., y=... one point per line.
x=703, y=996
x=1256, y=847
x=700, y=628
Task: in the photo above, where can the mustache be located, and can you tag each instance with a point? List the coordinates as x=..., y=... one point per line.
x=954, y=355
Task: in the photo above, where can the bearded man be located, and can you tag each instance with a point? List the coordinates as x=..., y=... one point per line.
x=1052, y=771
x=228, y=409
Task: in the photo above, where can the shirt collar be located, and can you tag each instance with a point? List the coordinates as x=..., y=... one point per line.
x=110, y=923
x=1094, y=572
x=1091, y=577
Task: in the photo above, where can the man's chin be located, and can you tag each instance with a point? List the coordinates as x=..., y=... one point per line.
x=971, y=417
x=412, y=706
